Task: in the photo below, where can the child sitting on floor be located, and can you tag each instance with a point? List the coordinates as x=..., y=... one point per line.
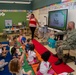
x=15, y=66
x=4, y=51
x=29, y=42
x=2, y=45
x=44, y=66
x=10, y=39
x=23, y=39
x=14, y=52
x=32, y=59
x=2, y=64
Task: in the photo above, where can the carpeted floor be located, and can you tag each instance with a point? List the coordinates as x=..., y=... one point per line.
x=57, y=68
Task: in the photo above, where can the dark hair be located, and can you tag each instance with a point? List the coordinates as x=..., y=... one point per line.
x=0, y=43
x=14, y=37
x=32, y=47
x=13, y=50
x=45, y=56
x=32, y=15
x=3, y=47
x=17, y=36
x=28, y=40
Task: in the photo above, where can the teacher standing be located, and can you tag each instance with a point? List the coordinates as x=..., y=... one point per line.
x=33, y=24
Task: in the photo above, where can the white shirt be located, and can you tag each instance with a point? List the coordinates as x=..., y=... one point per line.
x=44, y=67
x=31, y=55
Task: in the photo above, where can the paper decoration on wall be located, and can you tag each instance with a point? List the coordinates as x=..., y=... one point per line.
x=66, y=0
x=74, y=5
x=2, y=14
x=12, y=10
x=8, y=23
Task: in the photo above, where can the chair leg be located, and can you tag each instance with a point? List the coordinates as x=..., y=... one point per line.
x=68, y=57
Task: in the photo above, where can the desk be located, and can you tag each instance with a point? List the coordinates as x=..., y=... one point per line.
x=10, y=30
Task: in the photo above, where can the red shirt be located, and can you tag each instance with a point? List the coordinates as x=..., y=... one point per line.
x=32, y=22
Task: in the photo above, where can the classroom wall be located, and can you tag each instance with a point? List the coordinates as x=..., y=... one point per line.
x=71, y=6
x=14, y=16
x=41, y=3
x=36, y=12
x=15, y=6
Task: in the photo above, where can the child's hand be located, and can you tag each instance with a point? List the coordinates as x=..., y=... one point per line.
x=23, y=51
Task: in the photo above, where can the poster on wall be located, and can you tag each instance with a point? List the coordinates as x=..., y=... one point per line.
x=8, y=23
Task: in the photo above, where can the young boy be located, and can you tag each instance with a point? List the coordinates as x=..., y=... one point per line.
x=29, y=42
x=1, y=46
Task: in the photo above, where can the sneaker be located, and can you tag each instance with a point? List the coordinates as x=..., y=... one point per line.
x=59, y=62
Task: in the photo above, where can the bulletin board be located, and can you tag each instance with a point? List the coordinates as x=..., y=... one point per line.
x=14, y=17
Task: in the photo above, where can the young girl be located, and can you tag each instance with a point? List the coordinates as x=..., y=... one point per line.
x=23, y=40
x=15, y=66
x=32, y=59
x=44, y=66
x=27, y=45
x=1, y=46
x=14, y=52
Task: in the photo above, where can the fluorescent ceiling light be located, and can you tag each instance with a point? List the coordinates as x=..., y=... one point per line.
x=22, y=2
x=6, y=2
x=18, y=2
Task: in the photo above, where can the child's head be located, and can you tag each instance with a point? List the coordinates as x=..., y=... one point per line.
x=13, y=51
x=23, y=35
x=32, y=47
x=45, y=56
x=4, y=48
x=29, y=41
x=14, y=65
x=17, y=36
x=21, y=31
x=10, y=37
x=14, y=38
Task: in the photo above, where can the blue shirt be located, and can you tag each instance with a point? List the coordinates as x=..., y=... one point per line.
x=27, y=47
x=23, y=40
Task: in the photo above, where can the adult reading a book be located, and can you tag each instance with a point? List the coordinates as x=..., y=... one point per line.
x=67, y=44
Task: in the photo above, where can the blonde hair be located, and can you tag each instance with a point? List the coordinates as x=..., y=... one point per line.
x=14, y=66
